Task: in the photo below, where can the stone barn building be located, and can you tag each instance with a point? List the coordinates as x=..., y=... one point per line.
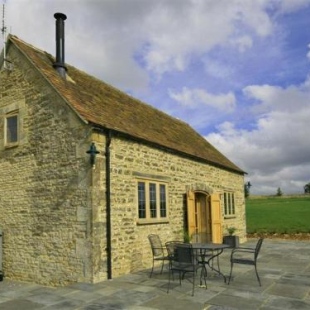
x=87, y=172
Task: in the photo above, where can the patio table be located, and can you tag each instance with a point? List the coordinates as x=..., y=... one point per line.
x=204, y=250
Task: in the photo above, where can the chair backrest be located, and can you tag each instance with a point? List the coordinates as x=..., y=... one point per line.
x=171, y=246
x=156, y=245
x=258, y=247
x=184, y=254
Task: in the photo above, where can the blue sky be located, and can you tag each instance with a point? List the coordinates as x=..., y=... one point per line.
x=236, y=70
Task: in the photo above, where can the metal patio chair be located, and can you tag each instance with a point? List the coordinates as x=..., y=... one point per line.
x=246, y=256
x=183, y=262
x=158, y=251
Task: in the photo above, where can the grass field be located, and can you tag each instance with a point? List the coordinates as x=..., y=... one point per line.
x=282, y=215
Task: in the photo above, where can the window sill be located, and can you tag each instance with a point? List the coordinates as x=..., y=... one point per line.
x=11, y=145
x=227, y=217
x=152, y=221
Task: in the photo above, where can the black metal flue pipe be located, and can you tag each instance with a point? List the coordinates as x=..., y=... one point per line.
x=60, y=44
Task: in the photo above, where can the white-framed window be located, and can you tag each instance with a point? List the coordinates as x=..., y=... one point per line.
x=229, y=204
x=11, y=135
x=152, y=201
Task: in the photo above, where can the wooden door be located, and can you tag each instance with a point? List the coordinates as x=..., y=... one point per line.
x=216, y=218
x=203, y=223
x=199, y=216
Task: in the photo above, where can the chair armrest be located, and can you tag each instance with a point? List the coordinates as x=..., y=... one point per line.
x=244, y=250
x=159, y=248
x=241, y=250
x=163, y=249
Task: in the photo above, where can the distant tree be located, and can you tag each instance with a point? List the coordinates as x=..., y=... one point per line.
x=307, y=188
x=247, y=189
x=279, y=192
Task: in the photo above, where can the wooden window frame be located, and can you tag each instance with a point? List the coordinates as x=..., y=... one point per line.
x=152, y=202
x=229, y=203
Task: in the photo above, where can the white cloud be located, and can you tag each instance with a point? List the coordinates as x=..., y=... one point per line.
x=243, y=43
x=197, y=98
x=101, y=36
x=291, y=99
x=278, y=148
x=176, y=32
x=253, y=14
x=164, y=35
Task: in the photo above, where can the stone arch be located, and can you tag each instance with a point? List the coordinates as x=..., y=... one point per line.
x=200, y=187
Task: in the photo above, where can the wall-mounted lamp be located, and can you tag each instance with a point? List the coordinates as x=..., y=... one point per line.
x=92, y=152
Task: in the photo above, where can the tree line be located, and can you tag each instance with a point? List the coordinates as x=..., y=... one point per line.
x=247, y=187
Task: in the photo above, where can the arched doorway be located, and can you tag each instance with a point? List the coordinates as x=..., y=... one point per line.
x=204, y=217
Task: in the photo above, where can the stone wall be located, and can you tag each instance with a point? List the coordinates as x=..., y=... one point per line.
x=45, y=203
x=131, y=249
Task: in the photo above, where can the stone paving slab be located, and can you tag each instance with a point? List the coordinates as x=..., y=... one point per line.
x=237, y=302
x=283, y=266
x=168, y=302
x=289, y=290
x=20, y=304
x=275, y=302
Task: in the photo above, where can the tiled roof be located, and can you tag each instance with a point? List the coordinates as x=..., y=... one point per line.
x=107, y=107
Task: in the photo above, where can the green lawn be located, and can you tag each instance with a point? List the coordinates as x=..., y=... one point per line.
x=283, y=215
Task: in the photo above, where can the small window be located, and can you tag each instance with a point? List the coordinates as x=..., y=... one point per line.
x=152, y=202
x=163, y=201
x=141, y=200
x=11, y=129
x=229, y=204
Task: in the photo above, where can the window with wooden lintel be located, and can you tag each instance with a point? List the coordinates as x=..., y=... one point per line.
x=152, y=202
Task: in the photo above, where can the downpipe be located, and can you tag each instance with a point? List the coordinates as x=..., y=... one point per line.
x=108, y=202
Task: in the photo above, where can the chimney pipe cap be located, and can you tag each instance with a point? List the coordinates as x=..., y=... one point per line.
x=60, y=16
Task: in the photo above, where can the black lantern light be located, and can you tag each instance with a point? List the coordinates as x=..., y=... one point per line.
x=92, y=152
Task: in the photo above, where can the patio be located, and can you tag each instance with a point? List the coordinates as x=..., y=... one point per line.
x=283, y=266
